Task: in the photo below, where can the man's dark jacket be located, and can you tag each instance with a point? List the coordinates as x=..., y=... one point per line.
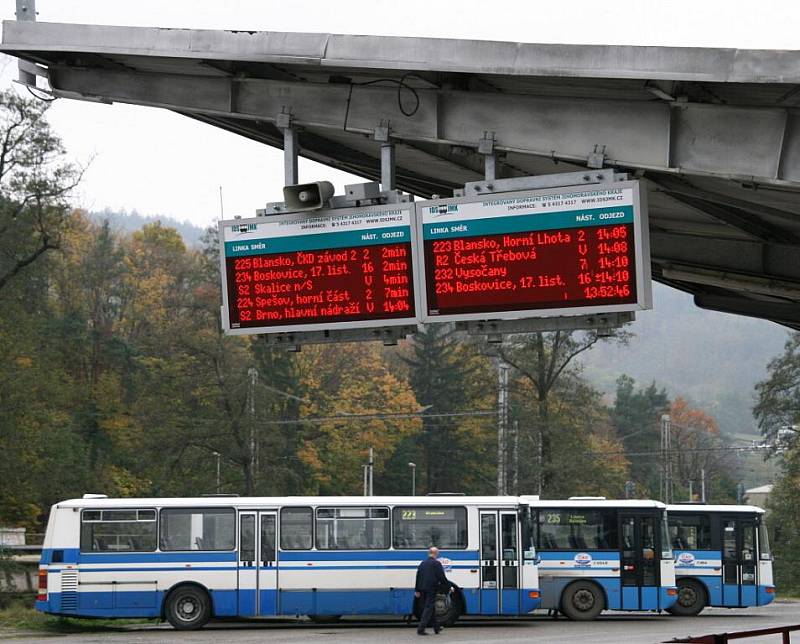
x=431, y=577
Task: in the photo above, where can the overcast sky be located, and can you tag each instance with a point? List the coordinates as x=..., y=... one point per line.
x=159, y=163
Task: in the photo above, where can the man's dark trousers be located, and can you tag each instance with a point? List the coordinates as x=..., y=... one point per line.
x=428, y=617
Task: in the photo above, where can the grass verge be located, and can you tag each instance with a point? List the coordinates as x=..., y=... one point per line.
x=20, y=615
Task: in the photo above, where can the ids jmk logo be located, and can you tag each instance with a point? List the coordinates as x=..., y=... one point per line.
x=447, y=564
x=443, y=209
x=244, y=228
x=583, y=559
x=686, y=559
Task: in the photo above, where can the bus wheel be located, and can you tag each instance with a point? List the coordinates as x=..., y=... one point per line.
x=188, y=608
x=448, y=608
x=325, y=619
x=692, y=598
x=582, y=601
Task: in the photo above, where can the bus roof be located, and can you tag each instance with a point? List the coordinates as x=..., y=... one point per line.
x=592, y=503
x=279, y=501
x=701, y=507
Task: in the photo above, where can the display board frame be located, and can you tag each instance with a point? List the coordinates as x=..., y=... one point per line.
x=425, y=215
x=346, y=219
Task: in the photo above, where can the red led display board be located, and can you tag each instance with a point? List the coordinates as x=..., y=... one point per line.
x=348, y=268
x=536, y=253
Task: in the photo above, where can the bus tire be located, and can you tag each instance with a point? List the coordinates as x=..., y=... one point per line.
x=448, y=608
x=692, y=598
x=325, y=619
x=582, y=601
x=187, y=608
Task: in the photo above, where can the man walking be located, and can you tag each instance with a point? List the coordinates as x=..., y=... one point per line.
x=430, y=580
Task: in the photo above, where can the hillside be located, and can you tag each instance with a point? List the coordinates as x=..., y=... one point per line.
x=712, y=358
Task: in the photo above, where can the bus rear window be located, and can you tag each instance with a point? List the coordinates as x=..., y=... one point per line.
x=419, y=528
x=198, y=529
x=577, y=529
x=129, y=530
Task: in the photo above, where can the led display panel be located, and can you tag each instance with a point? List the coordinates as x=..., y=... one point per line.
x=540, y=253
x=322, y=270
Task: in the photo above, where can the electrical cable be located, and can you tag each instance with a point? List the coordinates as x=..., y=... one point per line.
x=401, y=83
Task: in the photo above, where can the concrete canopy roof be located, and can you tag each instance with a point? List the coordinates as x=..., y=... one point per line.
x=714, y=133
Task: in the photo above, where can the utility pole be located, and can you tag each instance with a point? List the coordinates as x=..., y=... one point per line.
x=515, y=461
x=217, y=454
x=703, y=485
x=691, y=491
x=252, y=374
x=371, y=469
x=666, y=459
x=413, y=467
x=502, y=425
x=539, y=462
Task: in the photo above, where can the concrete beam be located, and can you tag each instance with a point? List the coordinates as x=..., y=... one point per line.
x=412, y=54
x=778, y=261
x=787, y=313
x=714, y=140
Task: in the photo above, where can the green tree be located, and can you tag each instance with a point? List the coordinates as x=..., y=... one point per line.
x=546, y=361
x=35, y=181
x=452, y=453
x=777, y=411
x=636, y=416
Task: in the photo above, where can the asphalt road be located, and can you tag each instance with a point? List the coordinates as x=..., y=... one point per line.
x=611, y=628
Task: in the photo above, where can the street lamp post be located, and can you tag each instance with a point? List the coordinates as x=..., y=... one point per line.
x=217, y=454
x=413, y=467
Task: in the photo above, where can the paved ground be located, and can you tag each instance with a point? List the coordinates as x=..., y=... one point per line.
x=613, y=628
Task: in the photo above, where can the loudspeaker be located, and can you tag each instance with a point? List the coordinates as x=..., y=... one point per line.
x=307, y=196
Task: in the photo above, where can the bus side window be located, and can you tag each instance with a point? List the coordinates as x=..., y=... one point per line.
x=296, y=529
x=198, y=529
x=129, y=530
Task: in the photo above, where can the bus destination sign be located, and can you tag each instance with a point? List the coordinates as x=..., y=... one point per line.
x=327, y=269
x=553, y=252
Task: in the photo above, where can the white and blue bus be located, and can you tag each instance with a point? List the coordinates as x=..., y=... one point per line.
x=188, y=560
x=722, y=557
x=595, y=555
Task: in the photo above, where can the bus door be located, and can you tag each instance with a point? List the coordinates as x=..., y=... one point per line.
x=268, y=564
x=639, y=561
x=258, y=571
x=739, y=560
x=500, y=569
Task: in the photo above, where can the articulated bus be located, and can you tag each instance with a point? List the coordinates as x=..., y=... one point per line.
x=595, y=554
x=722, y=557
x=192, y=559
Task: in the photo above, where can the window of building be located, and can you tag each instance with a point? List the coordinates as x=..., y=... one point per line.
x=577, y=529
x=690, y=531
x=352, y=528
x=198, y=529
x=296, y=529
x=419, y=528
x=131, y=530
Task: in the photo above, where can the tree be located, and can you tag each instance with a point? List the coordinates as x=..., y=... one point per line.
x=636, y=415
x=546, y=359
x=35, y=181
x=452, y=453
x=778, y=413
x=778, y=404
x=699, y=453
x=350, y=381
